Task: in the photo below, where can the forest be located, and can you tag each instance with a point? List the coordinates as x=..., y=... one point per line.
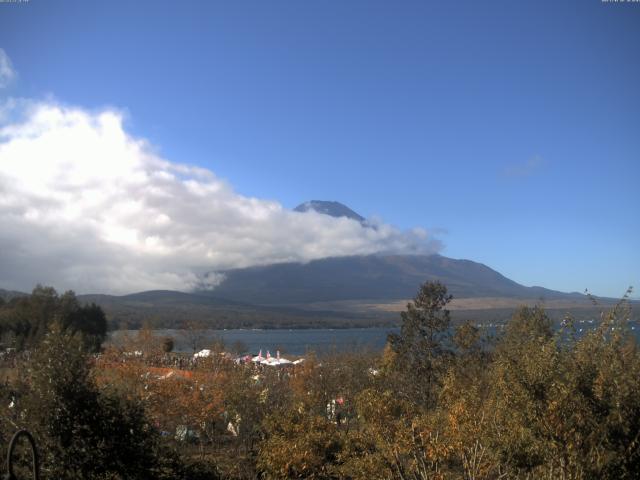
x=534, y=401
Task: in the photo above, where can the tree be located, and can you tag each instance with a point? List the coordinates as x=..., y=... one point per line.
x=83, y=432
x=193, y=332
x=420, y=345
x=87, y=320
x=27, y=319
x=299, y=446
x=167, y=344
x=239, y=347
x=565, y=407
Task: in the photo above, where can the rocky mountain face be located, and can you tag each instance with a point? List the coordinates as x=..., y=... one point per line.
x=333, y=209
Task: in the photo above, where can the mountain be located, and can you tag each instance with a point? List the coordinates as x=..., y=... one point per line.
x=336, y=292
x=171, y=309
x=372, y=277
x=333, y=209
x=9, y=294
x=359, y=291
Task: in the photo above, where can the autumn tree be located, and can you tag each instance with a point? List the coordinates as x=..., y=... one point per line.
x=299, y=445
x=193, y=332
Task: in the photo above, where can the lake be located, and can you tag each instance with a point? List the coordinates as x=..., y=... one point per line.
x=293, y=342
x=299, y=341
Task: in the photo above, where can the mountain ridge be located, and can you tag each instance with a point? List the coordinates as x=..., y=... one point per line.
x=383, y=277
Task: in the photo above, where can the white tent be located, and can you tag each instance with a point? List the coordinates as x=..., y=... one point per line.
x=258, y=358
x=275, y=362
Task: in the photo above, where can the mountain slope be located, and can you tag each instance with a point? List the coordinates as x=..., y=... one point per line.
x=9, y=294
x=171, y=309
x=369, y=277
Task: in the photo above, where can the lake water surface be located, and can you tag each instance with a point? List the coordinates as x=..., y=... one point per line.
x=293, y=342
x=298, y=341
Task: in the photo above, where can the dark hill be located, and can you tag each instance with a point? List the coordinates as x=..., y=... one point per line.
x=9, y=294
x=375, y=277
x=171, y=309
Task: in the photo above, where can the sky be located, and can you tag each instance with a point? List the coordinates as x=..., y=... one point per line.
x=146, y=144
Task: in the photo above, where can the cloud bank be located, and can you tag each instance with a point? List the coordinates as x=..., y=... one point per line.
x=85, y=205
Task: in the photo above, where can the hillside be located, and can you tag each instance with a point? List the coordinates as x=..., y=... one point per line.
x=373, y=277
x=9, y=294
x=170, y=309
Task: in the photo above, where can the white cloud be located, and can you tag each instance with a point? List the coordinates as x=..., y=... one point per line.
x=7, y=73
x=84, y=205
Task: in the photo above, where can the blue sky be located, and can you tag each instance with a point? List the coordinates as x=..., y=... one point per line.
x=512, y=128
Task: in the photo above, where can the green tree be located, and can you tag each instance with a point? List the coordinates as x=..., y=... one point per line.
x=565, y=407
x=420, y=347
x=83, y=432
x=27, y=319
x=167, y=344
x=89, y=321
